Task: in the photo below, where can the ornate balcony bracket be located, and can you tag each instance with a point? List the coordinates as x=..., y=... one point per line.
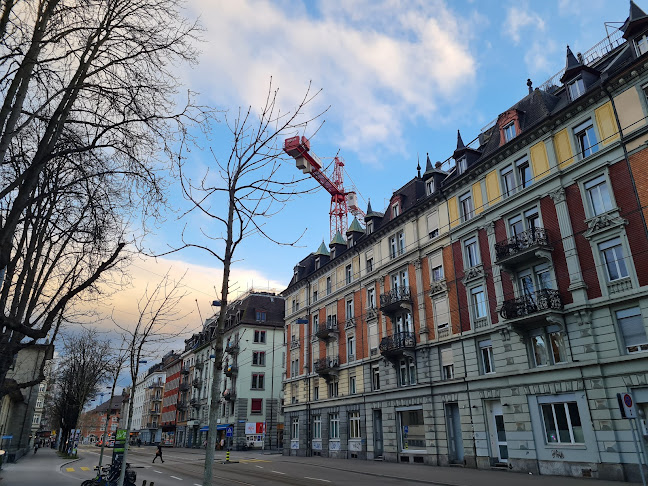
x=327, y=330
x=350, y=323
x=473, y=273
x=396, y=299
x=438, y=286
x=604, y=222
x=371, y=313
x=327, y=367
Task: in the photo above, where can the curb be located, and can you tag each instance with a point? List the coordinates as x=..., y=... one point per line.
x=70, y=462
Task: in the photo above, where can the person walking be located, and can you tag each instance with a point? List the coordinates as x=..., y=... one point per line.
x=35, y=447
x=158, y=453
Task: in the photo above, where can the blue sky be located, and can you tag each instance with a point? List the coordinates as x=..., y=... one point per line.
x=400, y=78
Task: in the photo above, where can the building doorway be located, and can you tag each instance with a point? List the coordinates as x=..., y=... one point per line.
x=378, y=433
x=497, y=432
x=455, y=441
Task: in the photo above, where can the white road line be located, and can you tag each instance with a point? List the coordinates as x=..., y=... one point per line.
x=196, y=484
x=279, y=472
x=260, y=467
x=317, y=479
x=155, y=470
x=176, y=477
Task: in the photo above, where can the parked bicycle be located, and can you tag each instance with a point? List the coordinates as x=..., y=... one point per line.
x=109, y=476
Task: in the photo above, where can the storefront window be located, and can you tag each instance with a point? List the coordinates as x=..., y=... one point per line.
x=412, y=431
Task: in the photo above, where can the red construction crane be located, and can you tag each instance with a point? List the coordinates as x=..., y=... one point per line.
x=342, y=202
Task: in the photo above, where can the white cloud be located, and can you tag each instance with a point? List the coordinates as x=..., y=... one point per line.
x=379, y=63
x=519, y=18
x=541, y=57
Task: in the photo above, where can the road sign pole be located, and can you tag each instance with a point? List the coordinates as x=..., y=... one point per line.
x=636, y=441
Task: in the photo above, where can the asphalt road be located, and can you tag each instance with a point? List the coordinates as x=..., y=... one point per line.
x=183, y=467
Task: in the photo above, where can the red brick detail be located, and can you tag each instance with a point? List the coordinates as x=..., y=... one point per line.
x=425, y=295
x=627, y=203
x=451, y=280
x=507, y=282
x=506, y=118
x=463, y=321
x=488, y=269
x=359, y=306
x=585, y=256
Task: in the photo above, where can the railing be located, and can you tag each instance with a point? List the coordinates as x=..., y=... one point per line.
x=195, y=402
x=326, y=364
x=156, y=399
x=184, y=370
x=184, y=386
x=521, y=242
x=546, y=299
x=154, y=412
x=181, y=405
x=395, y=296
x=231, y=370
x=294, y=344
x=232, y=348
x=198, y=365
x=324, y=330
x=398, y=342
x=229, y=395
x=197, y=383
x=443, y=332
x=621, y=285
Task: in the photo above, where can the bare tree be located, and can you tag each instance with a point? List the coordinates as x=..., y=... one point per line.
x=87, y=89
x=84, y=366
x=158, y=309
x=252, y=186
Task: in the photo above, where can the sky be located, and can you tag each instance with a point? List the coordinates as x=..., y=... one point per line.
x=399, y=78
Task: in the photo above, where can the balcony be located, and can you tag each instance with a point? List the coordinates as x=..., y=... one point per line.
x=151, y=425
x=327, y=330
x=229, y=395
x=181, y=405
x=396, y=299
x=156, y=399
x=532, y=308
x=154, y=412
x=231, y=370
x=197, y=383
x=327, y=366
x=232, y=348
x=294, y=344
x=184, y=370
x=195, y=403
x=198, y=365
x=184, y=386
x=528, y=246
x=400, y=344
x=156, y=384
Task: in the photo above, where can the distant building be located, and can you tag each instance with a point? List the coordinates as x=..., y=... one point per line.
x=172, y=365
x=95, y=424
x=147, y=406
x=17, y=419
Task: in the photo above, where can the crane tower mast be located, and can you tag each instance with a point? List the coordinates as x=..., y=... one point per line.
x=342, y=202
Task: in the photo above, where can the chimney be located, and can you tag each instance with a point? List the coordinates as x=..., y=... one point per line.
x=530, y=85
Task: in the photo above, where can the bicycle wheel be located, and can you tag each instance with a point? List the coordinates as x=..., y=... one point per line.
x=88, y=482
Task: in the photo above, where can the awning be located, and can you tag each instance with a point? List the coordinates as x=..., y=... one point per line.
x=222, y=426
x=204, y=429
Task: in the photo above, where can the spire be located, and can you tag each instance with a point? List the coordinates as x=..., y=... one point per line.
x=636, y=21
x=322, y=250
x=338, y=239
x=635, y=12
x=428, y=164
x=460, y=143
x=369, y=210
x=355, y=227
x=572, y=62
x=418, y=166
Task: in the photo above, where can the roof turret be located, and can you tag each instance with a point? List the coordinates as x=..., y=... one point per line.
x=355, y=227
x=322, y=250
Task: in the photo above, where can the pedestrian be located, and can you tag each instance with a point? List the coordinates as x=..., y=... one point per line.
x=139, y=442
x=222, y=444
x=158, y=453
x=35, y=447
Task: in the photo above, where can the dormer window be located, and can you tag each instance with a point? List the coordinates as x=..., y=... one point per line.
x=369, y=228
x=509, y=131
x=641, y=44
x=395, y=210
x=332, y=253
x=576, y=88
x=429, y=186
x=462, y=165
x=317, y=263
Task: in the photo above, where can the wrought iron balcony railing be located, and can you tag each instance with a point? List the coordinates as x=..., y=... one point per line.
x=396, y=344
x=197, y=383
x=327, y=364
x=231, y=370
x=184, y=386
x=181, y=405
x=533, y=303
x=327, y=329
x=232, y=348
x=198, y=365
x=229, y=395
x=521, y=243
x=394, y=299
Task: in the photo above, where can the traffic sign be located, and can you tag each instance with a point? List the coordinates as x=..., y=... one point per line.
x=626, y=405
x=229, y=432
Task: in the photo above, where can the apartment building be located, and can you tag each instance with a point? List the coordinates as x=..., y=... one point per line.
x=491, y=314
x=168, y=421
x=184, y=410
x=147, y=405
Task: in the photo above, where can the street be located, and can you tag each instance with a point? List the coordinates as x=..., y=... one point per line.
x=185, y=466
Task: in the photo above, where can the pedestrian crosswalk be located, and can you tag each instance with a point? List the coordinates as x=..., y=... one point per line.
x=83, y=468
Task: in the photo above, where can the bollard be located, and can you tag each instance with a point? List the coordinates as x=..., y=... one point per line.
x=227, y=456
x=144, y=483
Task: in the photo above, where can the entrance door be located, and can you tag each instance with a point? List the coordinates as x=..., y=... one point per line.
x=498, y=432
x=455, y=441
x=378, y=433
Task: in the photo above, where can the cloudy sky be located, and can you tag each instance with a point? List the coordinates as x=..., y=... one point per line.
x=400, y=78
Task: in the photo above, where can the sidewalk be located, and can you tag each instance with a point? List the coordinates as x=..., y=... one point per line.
x=32, y=468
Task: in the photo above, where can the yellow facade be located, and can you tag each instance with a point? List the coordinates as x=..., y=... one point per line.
x=453, y=211
x=628, y=107
x=477, y=197
x=539, y=160
x=606, y=124
x=564, y=152
x=493, y=192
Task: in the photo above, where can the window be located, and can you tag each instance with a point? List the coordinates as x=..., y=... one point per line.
x=349, y=274
x=525, y=178
x=315, y=322
x=471, y=252
x=632, y=329
x=295, y=428
x=334, y=425
x=369, y=228
x=258, y=358
x=371, y=298
x=436, y=264
x=395, y=210
x=259, y=336
x=352, y=385
x=36, y=419
x=39, y=403
x=316, y=393
x=466, y=206
x=433, y=224
x=261, y=316
x=486, y=355
x=548, y=346
x=641, y=43
x=375, y=378
x=351, y=348
x=411, y=430
x=333, y=388
x=256, y=405
x=509, y=131
x=328, y=285
x=397, y=244
x=429, y=186
x=478, y=302
x=349, y=308
x=294, y=306
x=586, y=138
x=354, y=425
x=41, y=387
x=598, y=195
x=447, y=363
x=369, y=264
x=576, y=88
x=562, y=423
x=317, y=263
x=462, y=165
x=407, y=371
x=317, y=426
x=508, y=181
x=294, y=367
x=314, y=296
x=613, y=259
x=441, y=312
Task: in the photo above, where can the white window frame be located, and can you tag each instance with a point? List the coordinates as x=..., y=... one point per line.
x=486, y=357
x=509, y=131
x=466, y=207
x=334, y=426
x=507, y=175
x=548, y=335
x=395, y=210
x=295, y=428
x=477, y=306
x=619, y=262
x=351, y=348
x=641, y=44
x=437, y=273
x=371, y=297
x=354, y=425
x=433, y=224
x=375, y=378
x=429, y=186
x=348, y=272
x=352, y=385
x=598, y=190
x=349, y=308
x=471, y=258
x=407, y=371
x=576, y=88
x=317, y=427
x=564, y=407
x=523, y=182
x=462, y=165
x=583, y=130
x=640, y=344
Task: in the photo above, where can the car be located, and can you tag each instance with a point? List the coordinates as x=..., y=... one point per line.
x=99, y=443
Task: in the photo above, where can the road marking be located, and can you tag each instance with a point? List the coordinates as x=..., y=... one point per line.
x=260, y=467
x=69, y=469
x=279, y=472
x=155, y=470
x=83, y=468
x=254, y=460
x=176, y=477
x=317, y=479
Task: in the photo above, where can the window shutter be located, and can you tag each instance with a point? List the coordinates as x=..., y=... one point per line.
x=433, y=222
x=453, y=211
x=632, y=328
x=539, y=160
x=446, y=356
x=441, y=312
x=563, y=148
x=437, y=260
x=606, y=123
